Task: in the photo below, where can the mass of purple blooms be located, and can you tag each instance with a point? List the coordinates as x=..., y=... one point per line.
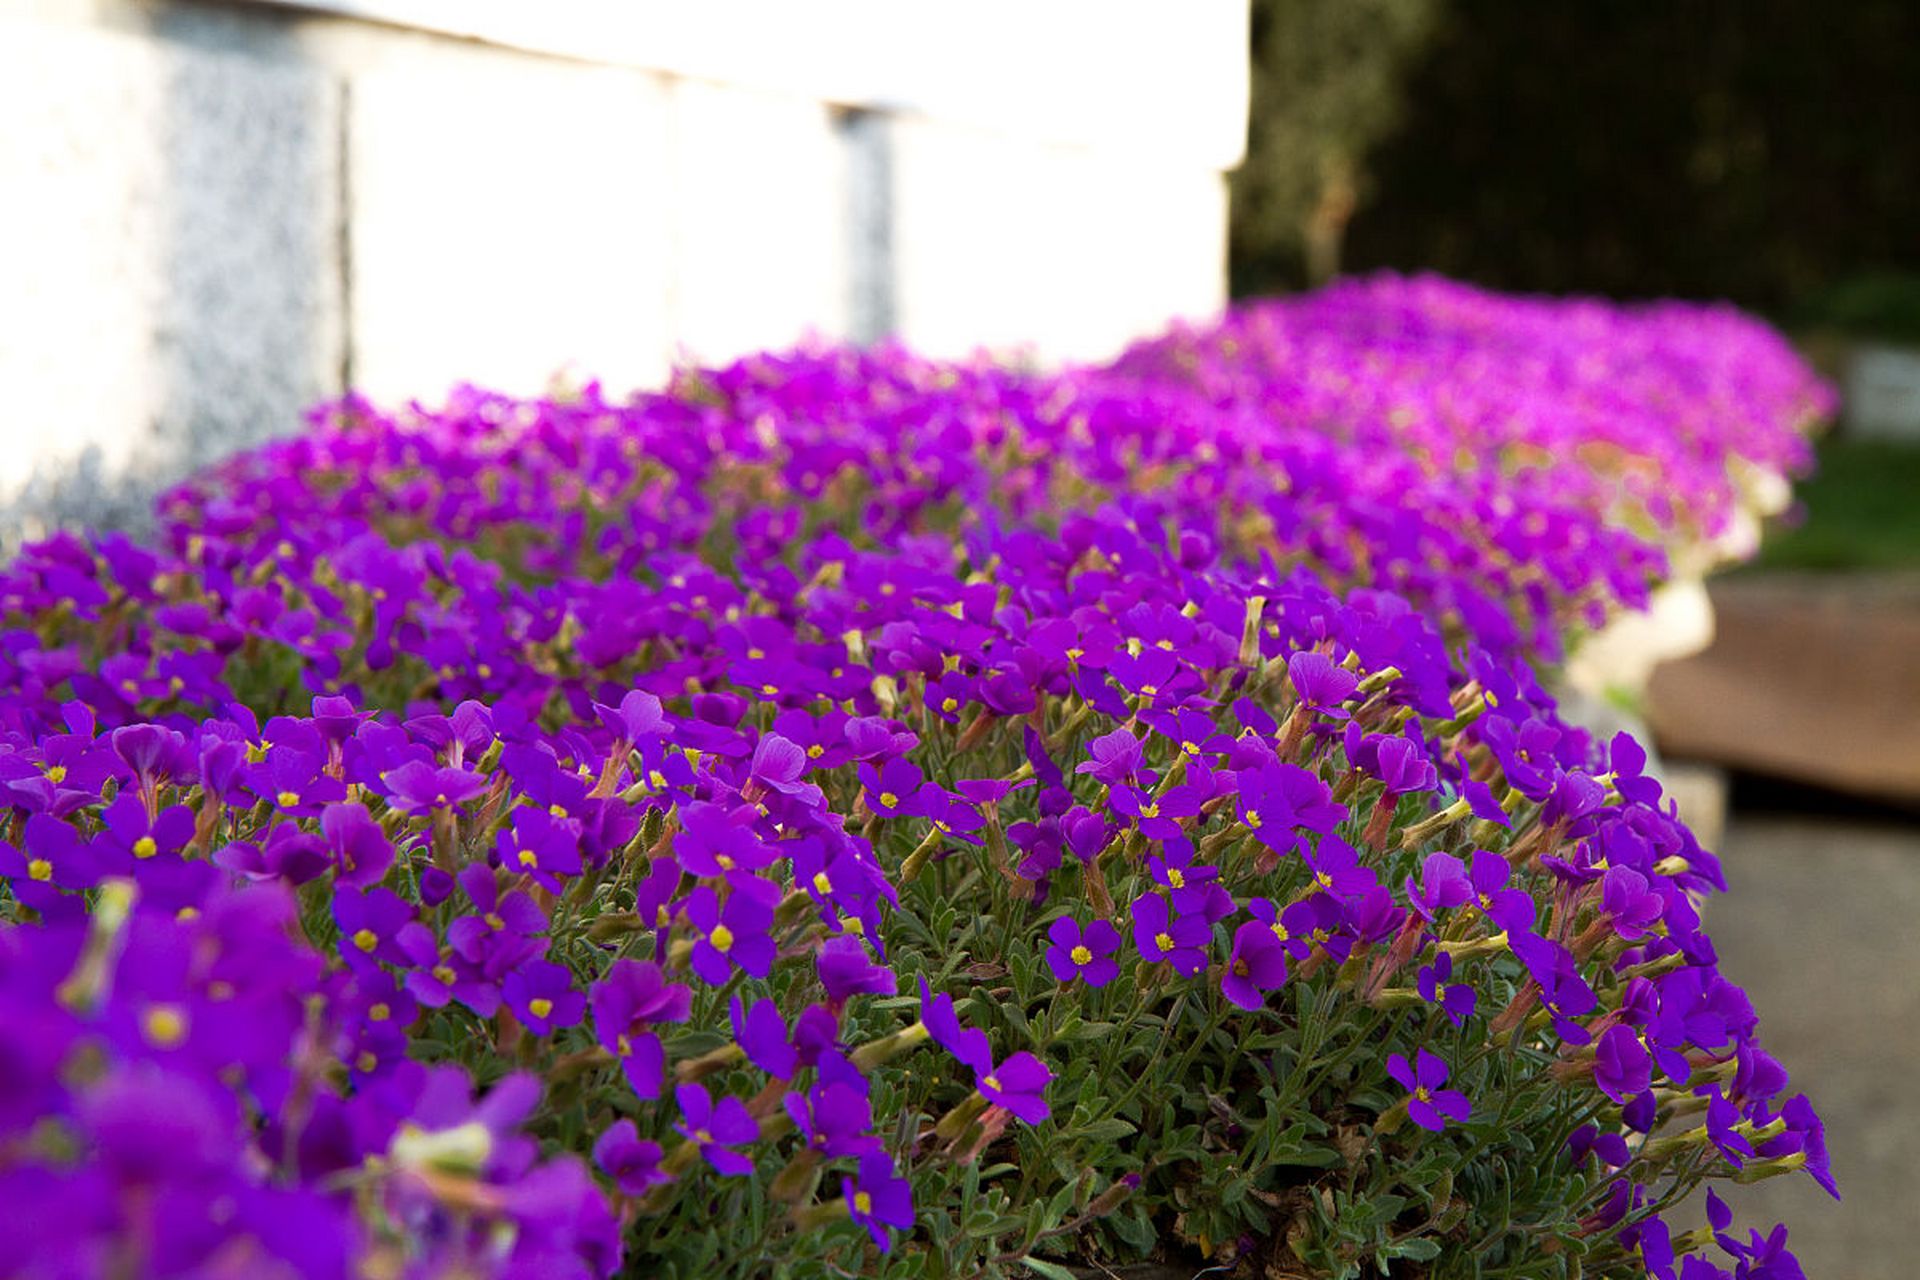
x=537, y=837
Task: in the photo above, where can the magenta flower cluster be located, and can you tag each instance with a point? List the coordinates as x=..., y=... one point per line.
x=612, y=754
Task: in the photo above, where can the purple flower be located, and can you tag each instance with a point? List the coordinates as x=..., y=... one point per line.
x=845, y=970
x=361, y=852
x=1019, y=1084
x=1321, y=683
x=1444, y=884
x=370, y=925
x=968, y=1044
x=639, y=717
x=1117, y=758
x=1256, y=965
x=416, y=786
x=761, y=1033
x=1159, y=936
x=291, y=781
x=892, y=790
x=1457, y=999
x=128, y=831
x=631, y=1161
x=733, y=933
x=1722, y=1116
x=777, y=766
x=715, y=842
x=541, y=845
x=716, y=1129
x=1621, y=1065
x=1159, y=815
x=1430, y=1106
x=835, y=1118
x=876, y=1199
x=633, y=995
x=1087, y=953
x=1513, y=910
x=542, y=996
x=502, y=919
x=1631, y=900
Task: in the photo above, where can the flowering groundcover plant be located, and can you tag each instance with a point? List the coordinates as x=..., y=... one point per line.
x=850, y=814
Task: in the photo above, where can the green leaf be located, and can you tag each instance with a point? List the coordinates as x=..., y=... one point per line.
x=1048, y=1270
x=1111, y=1129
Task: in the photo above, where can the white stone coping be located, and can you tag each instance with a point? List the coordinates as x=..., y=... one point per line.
x=1145, y=75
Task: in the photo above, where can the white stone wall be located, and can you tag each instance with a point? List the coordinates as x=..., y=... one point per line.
x=213, y=215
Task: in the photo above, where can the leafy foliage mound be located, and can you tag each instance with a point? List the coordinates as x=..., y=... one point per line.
x=851, y=814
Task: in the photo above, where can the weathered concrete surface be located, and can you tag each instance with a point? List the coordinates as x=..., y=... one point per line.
x=761, y=251
x=1810, y=677
x=1822, y=928
x=1000, y=242
x=169, y=263
x=215, y=214
x=506, y=222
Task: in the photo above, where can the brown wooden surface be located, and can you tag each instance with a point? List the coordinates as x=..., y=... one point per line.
x=1811, y=678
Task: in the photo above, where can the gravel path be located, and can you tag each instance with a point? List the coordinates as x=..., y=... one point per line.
x=1822, y=927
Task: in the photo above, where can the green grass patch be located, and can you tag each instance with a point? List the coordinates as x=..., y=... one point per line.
x=1862, y=511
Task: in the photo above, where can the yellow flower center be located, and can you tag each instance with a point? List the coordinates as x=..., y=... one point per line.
x=1081, y=955
x=379, y=1013
x=1176, y=878
x=40, y=869
x=57, y=774
x=165, y=1025
x=1151, y=810
x=725, y=860
x=949, y=705
x=721, y=938
x=367, y=1061
x=444, y=975
x=529, y=859
x=494, y=921
x=144, y=847
x=1191, y=748
x=862, y=1203
x=990, y=1082
x=821, y=883
x=815, y=751
x=366, y=939
x=557, y=810
x=1422, y=1095
x=288, y=799
x=1149, y=689
x=703, y=1136
x=539, y=1006
x=1164, y=941
x=1280, y=931
x=889, y=800
x=1254, y=819
x=624, y=1046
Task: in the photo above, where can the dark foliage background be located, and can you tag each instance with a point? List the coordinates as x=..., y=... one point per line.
x=1765, y=151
